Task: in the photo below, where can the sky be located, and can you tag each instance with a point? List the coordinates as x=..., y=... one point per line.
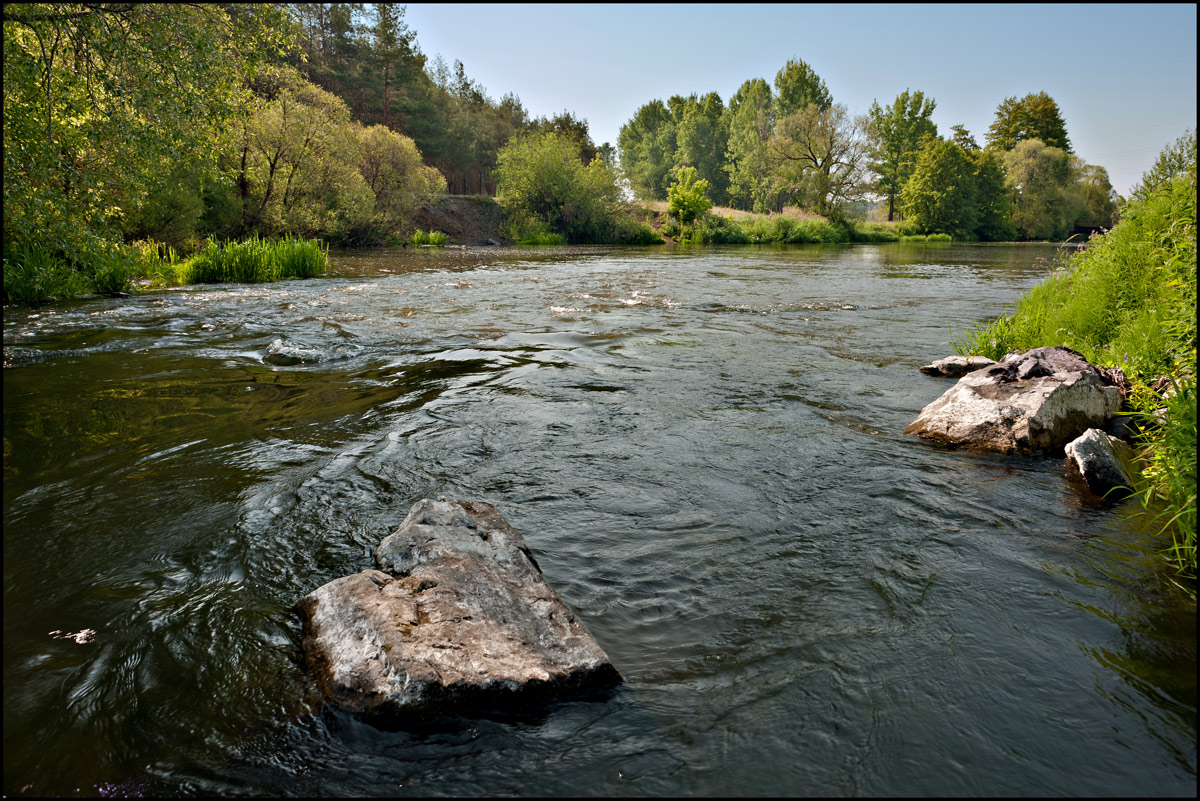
x=1123, y=75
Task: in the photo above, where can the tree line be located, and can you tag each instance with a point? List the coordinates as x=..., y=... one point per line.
x=172, y=123
x=126, y=122
x=789, y=143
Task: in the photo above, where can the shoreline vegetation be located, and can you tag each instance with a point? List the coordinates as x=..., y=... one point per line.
x=1129, y=302
x=150, y=145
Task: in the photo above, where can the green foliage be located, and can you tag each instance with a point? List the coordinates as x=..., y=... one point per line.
x=940, y=195
x=1042, y=189
x=798, y=86
x=896, y=134
x=1035, y=116
x=33, y=274
x=701, y=136
x=687, y=198
x=258, y=260
x=817, y=157
x=103, y=104
x=647, y=147
x=430, y=237
x=748, y=120
x=1175, y=159
x=544, y=186
x=788, y=228
x=1169, y=466
x=391, y=166
x=1129, y=300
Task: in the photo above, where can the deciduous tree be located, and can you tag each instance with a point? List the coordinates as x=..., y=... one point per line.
x=895, y=133
x=818, y=158
x=1035, y=116
x=749, y=121
x=797, y=85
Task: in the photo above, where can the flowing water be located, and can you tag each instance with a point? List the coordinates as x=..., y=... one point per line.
x=703, y=449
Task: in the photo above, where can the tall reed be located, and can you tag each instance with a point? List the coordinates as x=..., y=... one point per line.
x=257, y=260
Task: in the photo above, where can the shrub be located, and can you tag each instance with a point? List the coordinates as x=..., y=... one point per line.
x=687, y=198
x=430, y=237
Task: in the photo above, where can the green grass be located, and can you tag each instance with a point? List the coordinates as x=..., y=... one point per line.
x=257, y=260
x=1129, y=301
x=33, y=273
x=430, y=237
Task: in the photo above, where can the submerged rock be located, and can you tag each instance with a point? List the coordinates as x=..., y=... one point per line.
x=1038, y=401
x=956, y=366
x=287, y=353
x=1103, y=462
x=458, y=615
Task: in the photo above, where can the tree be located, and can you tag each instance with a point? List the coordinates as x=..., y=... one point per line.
x=103, y=104
x=818, y=157
x=647, y=147
x=395, y=61
x=896, y=133
x=1174, y=159
x=1099, y=201
x=391, y=165
x=1042, y=188
x=566, y=122
x=749, y=121
x=687, y=198
x=993, y=210
x=542, y=180
x=958, y=189
x=1035, y=116
x=700, y=141
x=300, y=162
x=940, y=195
x=798, y=85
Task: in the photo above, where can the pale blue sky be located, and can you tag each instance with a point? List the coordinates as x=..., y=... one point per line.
x=1124, y=75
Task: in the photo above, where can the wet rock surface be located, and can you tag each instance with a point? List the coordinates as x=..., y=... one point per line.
x=956, y=366
x=1038, y=401
x=1103, y=462
x=458, y=616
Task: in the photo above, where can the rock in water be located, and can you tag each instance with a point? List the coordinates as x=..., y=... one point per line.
x=459, y=615
x=1038, y=401
x=956, y=366
x=1103, y=462
x=288, y=353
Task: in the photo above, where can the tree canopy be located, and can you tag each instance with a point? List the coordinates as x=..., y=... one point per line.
x=896, y=133
x=1035, y=116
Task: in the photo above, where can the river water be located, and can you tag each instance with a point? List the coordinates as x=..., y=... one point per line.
x=703, y=449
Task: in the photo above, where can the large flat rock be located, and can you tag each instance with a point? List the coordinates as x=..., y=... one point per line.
x=459, y=615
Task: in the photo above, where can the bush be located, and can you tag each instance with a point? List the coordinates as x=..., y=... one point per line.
x=545, y=188
x=430, y=237
x=687, y=198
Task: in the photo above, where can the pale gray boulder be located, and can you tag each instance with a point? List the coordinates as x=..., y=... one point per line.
x=956, y=366
x=459, y=615
x=1103, y=462
x=1038, y=401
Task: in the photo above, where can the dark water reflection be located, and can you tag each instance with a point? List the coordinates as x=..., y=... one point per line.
x=702, y=447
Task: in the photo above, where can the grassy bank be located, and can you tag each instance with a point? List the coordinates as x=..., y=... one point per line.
x=792, y=226
x=1129, y=301
x=34, y=274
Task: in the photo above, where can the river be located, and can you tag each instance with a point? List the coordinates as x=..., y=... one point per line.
x=703, y=449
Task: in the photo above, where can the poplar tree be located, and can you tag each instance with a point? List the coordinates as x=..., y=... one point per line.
x=797, y=85
x=895, y=133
